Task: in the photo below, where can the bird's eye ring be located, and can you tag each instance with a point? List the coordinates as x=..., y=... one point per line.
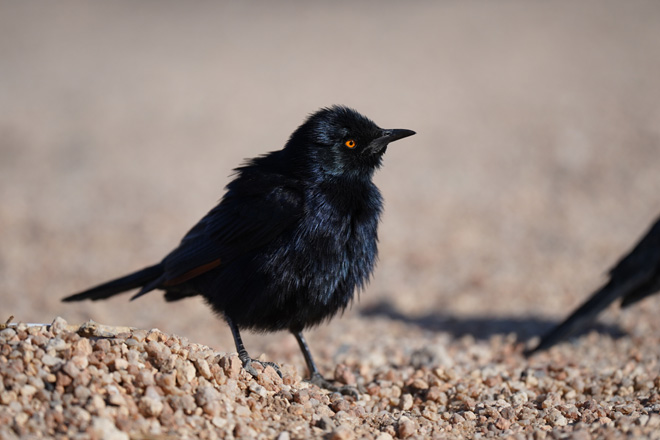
x=350, y=143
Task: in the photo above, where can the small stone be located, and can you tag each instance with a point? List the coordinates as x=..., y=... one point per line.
x=502, y=423
x=654, y=421
x=341, y=433
x=406, y=427
x=284, y=435
x=626, y=409
x=139, y=335
x=82, y=393
x=231, y=365
x=63, y=380
x=105, y=429
x=58, y=326
x=120, y=364
x=270, y=379
x=71, y=369
x=242, y=411
x=150, y=406
x=114, y=396
x=340, y=405
x=551, y=400
x=56, y=344
x=406, y=402
x=185, y=372
x=420, y=384
x=434, y=394
x=6, y=397
x=344, y=375
x=556, y=418
x=144, y=378
x=219, y=422
x=166, y=381
x=102, y=345
x=80, y=361
x=206, y=395
x=185, y=403
x=28, y=391
x=82, y=347
x=469, y=415
x=244, y=431
x=154, y=335
x=132, y=343
x=581, y=434
x=158, y=352
x=80, y=416
x=20, y=419
x=203, y=368
x=508, y=413
x=258, y=389
x=519, y=398
x=96, y=404
x=325, y=423
x=301, y=396
x=570, y=412
x=431, y=414
x=7, y=334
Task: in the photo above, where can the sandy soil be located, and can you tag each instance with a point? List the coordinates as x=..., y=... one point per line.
x=534, y=168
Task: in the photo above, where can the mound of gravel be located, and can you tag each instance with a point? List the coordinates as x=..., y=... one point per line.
x=95, y=381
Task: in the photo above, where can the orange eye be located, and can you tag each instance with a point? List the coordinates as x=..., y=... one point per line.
x=350, y=143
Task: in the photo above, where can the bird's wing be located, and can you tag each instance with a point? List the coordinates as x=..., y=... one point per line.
x=240, y=223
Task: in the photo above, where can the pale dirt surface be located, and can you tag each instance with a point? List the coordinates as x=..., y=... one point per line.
x=536, y=165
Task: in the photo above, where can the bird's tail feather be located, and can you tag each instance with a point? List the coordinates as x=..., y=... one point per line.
x=641, y=292
x=119, y=285
x=584, y=315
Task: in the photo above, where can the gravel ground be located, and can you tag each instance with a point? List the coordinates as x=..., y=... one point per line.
x=95, y=381
x=534, y=168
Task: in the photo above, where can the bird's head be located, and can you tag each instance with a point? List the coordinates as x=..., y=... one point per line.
x=340, y=141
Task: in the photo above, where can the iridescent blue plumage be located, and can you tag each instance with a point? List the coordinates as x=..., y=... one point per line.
x=291, y=240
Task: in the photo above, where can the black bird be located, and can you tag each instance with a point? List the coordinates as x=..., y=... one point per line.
x=290, y=241
x=635, y=276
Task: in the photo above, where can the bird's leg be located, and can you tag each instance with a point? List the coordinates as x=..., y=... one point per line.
x=243, y=354
x=315, y=376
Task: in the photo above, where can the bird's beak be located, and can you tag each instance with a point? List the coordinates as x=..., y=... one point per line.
x=395, y=134
x=387, y=136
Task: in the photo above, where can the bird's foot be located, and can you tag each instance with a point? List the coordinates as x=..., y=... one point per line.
x=321, y=382
x=248, y=362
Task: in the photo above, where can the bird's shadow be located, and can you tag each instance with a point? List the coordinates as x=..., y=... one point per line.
x=481, y=327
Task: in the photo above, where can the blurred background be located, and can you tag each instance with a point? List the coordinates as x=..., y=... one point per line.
x=535, y=167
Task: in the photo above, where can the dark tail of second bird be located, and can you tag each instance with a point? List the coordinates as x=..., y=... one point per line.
x=584, y=315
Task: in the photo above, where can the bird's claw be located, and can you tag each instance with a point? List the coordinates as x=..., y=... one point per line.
x=321, y=382
x=247, y=366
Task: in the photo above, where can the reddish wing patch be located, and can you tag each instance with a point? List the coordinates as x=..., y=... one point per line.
x=193, y=273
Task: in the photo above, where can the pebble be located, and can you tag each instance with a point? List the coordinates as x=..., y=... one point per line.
x=105, y=429
x=284, y=435
x=341, y=433
x=344, y=375
x=406, y=402
x=406, y=427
